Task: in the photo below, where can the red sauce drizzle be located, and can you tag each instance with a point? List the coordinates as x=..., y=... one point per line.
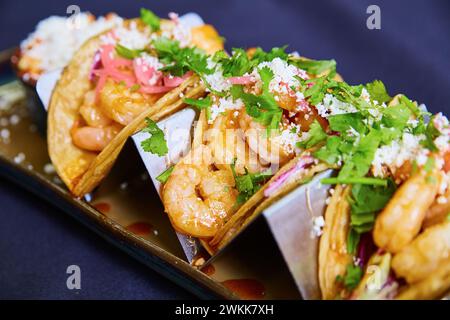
x=140, y=228
x=249, y=289
x=103, y=207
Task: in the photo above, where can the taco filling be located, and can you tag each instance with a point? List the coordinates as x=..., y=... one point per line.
x=387, y=229
x=248, y=147
x=114, y=81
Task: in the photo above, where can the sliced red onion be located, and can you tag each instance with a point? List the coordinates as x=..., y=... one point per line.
x=302, y=163
x=96, y=64
x=366, y=248
x=242, y=80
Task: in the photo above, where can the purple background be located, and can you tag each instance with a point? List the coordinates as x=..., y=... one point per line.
x=411, y=54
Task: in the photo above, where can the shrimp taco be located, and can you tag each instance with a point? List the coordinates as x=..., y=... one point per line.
x=116, y=80
x=387, y=227
x=55, y=40
x=249, y=146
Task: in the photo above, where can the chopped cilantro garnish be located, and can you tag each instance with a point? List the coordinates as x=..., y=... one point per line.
x=277, y=52
x=156, y=143
x=377, y=91
x=201, y=104
x=396, y=116
x=347, y=121
x=127, y=53
x=164, y=176
x=316, y=67
x=236, y=65
x=316, y=135
x=249, y=183
x=262, y=108
x=179, y=60
x=352, y=276
x=366, y=200
x=150, y=19
x=352, y=241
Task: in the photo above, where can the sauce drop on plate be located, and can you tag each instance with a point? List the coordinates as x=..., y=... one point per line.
x=246, y=288
x=103, y=207
x=140, y=228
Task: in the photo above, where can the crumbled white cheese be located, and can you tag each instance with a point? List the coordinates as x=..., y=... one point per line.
x=223, y=105
x=284, y=75
x=217, y=81
x=133, y=38
x=288, y=138
x=332, y=106
x=177, y=30
x=318, y=224
x=56, y=39
x=399, y=151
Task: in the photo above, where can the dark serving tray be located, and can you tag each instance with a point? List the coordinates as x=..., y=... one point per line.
x=126, y=211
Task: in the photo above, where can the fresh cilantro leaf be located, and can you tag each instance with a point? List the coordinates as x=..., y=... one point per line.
x=127, y=53
x=316, y=135
x=263, y=108
x=236, y=65
x=331, y=152
x=389, y=134
x=431, y=133
x=346, y=121
x=316, y=67
x=277, y=52
x=201, y=104
x=377, y=91
x=366, y=201
x=411, y=105
x=179, y=60
x=164, y=176
x=249, y=183
x=352, y=241
x=156, y=144
x=396, y=116
x=352, y=276
x=150, y=19
x=357, y=163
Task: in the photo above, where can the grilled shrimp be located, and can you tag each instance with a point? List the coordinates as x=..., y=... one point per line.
x=438, y=211
x=401, y=220
x=122, y=104
x=270, y=149
x=424, y=255
x=228, y=145
x=94, y=139
x=92, y=115
x=197, y=199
